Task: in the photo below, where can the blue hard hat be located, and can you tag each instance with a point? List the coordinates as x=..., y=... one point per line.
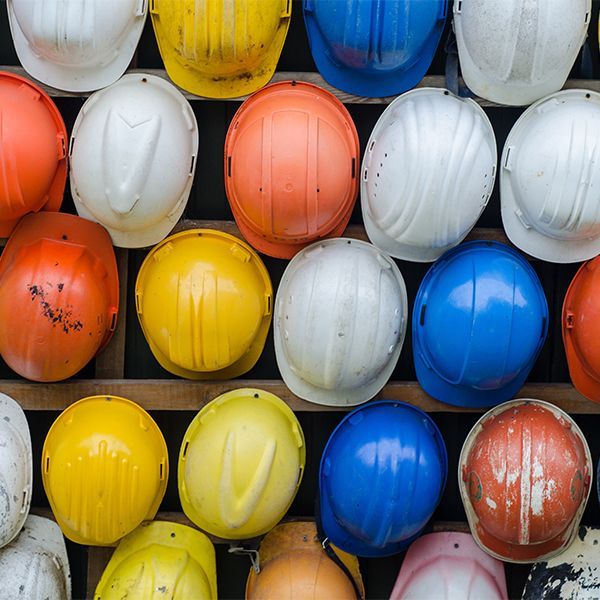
x=374, y=47
x=479, y=322
x=382, y=475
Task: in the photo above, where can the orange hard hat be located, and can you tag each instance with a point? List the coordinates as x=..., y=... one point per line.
x=291, y=163
x=581, y=329
x=525, y=474
x=33, y=151
x=59, y=295
x=293, y=564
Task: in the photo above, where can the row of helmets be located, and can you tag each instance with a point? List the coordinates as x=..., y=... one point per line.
x=134, y=148
x=524, y=474
x=509, y=53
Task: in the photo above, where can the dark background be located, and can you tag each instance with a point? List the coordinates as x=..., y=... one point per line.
x=208, y=201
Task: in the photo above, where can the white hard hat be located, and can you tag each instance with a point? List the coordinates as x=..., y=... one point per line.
x=514, y=52
x=340, y=320
x=16, y=470
x=427, y=174
x=76, y=45
x=35, y=565
x=133, y=158
x=449, y=566
x=550, y=180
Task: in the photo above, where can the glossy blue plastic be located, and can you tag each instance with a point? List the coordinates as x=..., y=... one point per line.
x=382, y=475
x=374, y=48
x=479, y=322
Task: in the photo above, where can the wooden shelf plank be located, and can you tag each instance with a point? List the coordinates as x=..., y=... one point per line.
x=437, y=81
x=179, y=394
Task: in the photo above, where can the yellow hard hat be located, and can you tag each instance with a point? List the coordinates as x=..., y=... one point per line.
x=203, y=299
x=240, y=464
x=293, y=564
x=160, y=560
x=222, y=49
x=104, y=469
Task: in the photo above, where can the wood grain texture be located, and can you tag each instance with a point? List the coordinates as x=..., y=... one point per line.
x=179, y=394
x=436, y=81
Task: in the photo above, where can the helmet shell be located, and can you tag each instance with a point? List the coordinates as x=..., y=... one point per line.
x=479, y=322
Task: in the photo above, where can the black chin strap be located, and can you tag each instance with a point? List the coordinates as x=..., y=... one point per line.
x=329, y=551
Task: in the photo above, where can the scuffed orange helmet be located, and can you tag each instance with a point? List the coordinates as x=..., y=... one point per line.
x=33, y=151
x=293, y=564
x=581, y=329
x=525, y=474
x=59, y=295
x=291, y=163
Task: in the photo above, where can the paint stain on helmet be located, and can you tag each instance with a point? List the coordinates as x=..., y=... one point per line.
x=57, y=315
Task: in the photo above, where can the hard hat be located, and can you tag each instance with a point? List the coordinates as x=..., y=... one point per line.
x=374, y=48
x=160, y=560
x=581, y=329
x=340, y=321
x=548, y=186
x=59, y=295
x=479, y=322
x=382, y=475
x=33, y=151
x=203, y=299
x=524, y=474
x=221, y=49
x=293, y=564
x=104, y=468
x=514, y=53
x=75, y=45
x=291, y=162
x=449, y=566
x=133, y=157
x=241, y=463
x=573, y=574
x=16, y=470
x=427, y=173
x=35, y=565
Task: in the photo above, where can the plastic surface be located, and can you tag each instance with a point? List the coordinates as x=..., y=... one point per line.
x=241, y=464
x=59, y=295
x=479, y=322
x=340, y=321
x=204, y=301
x=160, y=560
x=549, y=185
x=33, y=151
x=515, y=52
x=291, y=167
x=525, y=474
x=76, y=45
x=427, y=174
x=105, y=469
x=16, y=469
x=381, y=477
x=35, y=565
x=220, y=49
x=133, y=156
x=449, y=566
x=293, y=564
x=581, y=329
x=573, y=574
x=374, y=47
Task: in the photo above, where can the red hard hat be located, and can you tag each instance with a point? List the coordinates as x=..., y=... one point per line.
x=33, y=151
x=581, y=329
x=525, y=473
x=59, y=295
x=291, y=167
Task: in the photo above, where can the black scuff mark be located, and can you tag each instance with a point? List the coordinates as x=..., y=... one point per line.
x=57, y=315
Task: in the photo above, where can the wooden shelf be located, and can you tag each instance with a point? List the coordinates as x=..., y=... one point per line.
x=179, y=394
x=436, y=81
